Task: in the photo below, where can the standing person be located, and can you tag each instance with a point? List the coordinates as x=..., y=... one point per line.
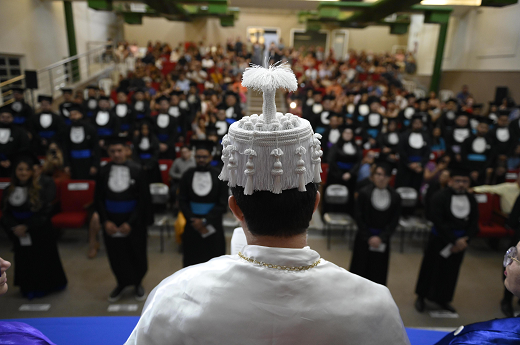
x=66, y=104
x=202, y=200
x=105, y=121
x=506, y=304
x=91, y=103
x=26, y=217
x=332, y=133
x=121, y=196
x=378, y=209
x=82, y=151
x=45, y=126
x=140, y=106
x=125, y=114
x=414, y=153
x=22, y=112
x=275, y=290
x=456, y=136
x=146, y=152
x=178, y=168
x=454, y=213
x=478, y=154
x=166, y=128
x=13, y=139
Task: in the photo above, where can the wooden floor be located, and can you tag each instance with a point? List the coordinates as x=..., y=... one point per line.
x=477, y=297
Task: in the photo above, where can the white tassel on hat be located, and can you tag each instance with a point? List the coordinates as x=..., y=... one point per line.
x=232, y=166
x=224, y=174
x=300, y=168
x=277, y=171
x=317, y=153
x=250, y=171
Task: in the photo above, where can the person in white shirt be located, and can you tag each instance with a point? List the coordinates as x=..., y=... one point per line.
x=275, y=290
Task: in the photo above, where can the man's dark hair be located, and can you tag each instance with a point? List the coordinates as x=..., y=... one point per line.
x=282, y=215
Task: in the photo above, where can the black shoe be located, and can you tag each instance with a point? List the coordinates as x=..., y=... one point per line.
x=420, y=305
x=507, y=308
x=448, y=307
x=116, y=294
x=139, y=293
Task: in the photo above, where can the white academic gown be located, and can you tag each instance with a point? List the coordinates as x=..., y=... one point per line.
x=229, y=300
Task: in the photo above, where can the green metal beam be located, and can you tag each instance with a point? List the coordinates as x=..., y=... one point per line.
x=168, y=7
x=100, y=5
x=399, y=28
x=498, y=3
x=71, y=39
x=436, y=76
x=133, y=18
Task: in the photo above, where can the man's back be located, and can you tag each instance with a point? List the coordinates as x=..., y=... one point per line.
x=229, y=300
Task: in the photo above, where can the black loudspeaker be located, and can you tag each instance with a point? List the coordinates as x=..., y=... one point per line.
x=501, y=93
x=31, y=79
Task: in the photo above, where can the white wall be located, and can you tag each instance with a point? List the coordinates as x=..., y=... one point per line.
x=372, y=38
x=36, y=30
x=481, y=39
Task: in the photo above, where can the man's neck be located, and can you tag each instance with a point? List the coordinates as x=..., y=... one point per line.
x=297, y=241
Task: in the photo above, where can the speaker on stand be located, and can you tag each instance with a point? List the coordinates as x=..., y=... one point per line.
x=31, y=82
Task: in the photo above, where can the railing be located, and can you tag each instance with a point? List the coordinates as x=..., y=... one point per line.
x=69, y=72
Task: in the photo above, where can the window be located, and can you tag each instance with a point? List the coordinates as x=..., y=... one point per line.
x=10, y=67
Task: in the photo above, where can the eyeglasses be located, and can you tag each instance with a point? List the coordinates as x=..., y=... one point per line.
x=201, y=157
x=511, y=255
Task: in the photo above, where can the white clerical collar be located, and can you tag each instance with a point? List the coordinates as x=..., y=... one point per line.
x=282, y=256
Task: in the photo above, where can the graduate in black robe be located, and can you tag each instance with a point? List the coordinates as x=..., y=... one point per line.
x=121, y=197
x=454, y=213
x=478, y=154
x=26, y=217
x=323, y=118
x=166, y=129
x=313, y=107
x=456, y=136
x=500, y=136
x=231, y=105
x=447, y=119
x=203, y=201
x=344, y=161
x=331, y=135
x=124, y=113
x=194, y=102
x=140, y=106
x=180, y=115
x=46, y=126
x=362, y=109
x=389, y=141
x=65, y=105
x=13, y=139
x=146, y=152
x=22, y=112
x=378, y=208
x=106, y=122
x=414, y=153
x=90, y=105
x=82, y=152
x=405, y=115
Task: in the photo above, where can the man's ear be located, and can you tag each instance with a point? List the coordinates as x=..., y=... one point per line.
x=317, y=202
x=237, y=212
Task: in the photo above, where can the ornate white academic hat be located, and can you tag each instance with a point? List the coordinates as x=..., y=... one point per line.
x=271, y=151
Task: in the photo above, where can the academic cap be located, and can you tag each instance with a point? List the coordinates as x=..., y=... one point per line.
x=28, y=157
x=504, y=113
x=453, y=100
x=483, y=119
x=140, y=89
x=18, y=89
x=424, y=99
x=115, y=140
x=316, y=92
x=42, y=98
x=65, y=90
x=386, y=166
x=417, y=116
x=207, y=145
x=162, y=98
x=329, y=97
x=478, y=106
x=410, y=95
x=104, y=98
x=459, y=170
x=176, y=93
x=334, y=114
x=92, y=87
x=123, y=90
x=76, y=107
x=6, y=110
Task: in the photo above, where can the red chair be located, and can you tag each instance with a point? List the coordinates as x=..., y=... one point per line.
x=164, y=166
x=4, y=183
x=490, y=225
x=512, y=175
x=434, y=155
x=324, y=173
x=76, y=197
x=376, y=152
x=104, y=161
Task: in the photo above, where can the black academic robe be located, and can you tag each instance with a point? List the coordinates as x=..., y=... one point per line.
x=343, y=157
x=107, y=124
x=46, y=127
x=377, y=214
x=373, y=125
x=447, y=120
x=501, y=140
x=514, y=131
x=82, y=150
x=361, y=113
x=37, y=266
x=312, y=113
x=146, y=154
x=222, y=127
x=13, y=139
x=90, y=107
x=323, y=121
x=453, y=216
x=329, y=138
x=167, y=131
x=124, y=113
x=121, y=197
x=389, y=140
x=195, y=106
x=454, y=139
x=232, y=112
x=413, y=148
x=349, y=111
x=202, y=195
x=404, y=117
x=477, y=155
x=181, y=116
x=141, y=110
x=22, y=113
x=65, y=112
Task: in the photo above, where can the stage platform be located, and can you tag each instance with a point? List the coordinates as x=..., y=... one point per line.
x=113, y=330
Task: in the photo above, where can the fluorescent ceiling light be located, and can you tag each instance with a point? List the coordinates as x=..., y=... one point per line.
x=452, y=2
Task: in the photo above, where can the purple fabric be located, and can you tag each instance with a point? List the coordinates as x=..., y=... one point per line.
x=18, y=333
